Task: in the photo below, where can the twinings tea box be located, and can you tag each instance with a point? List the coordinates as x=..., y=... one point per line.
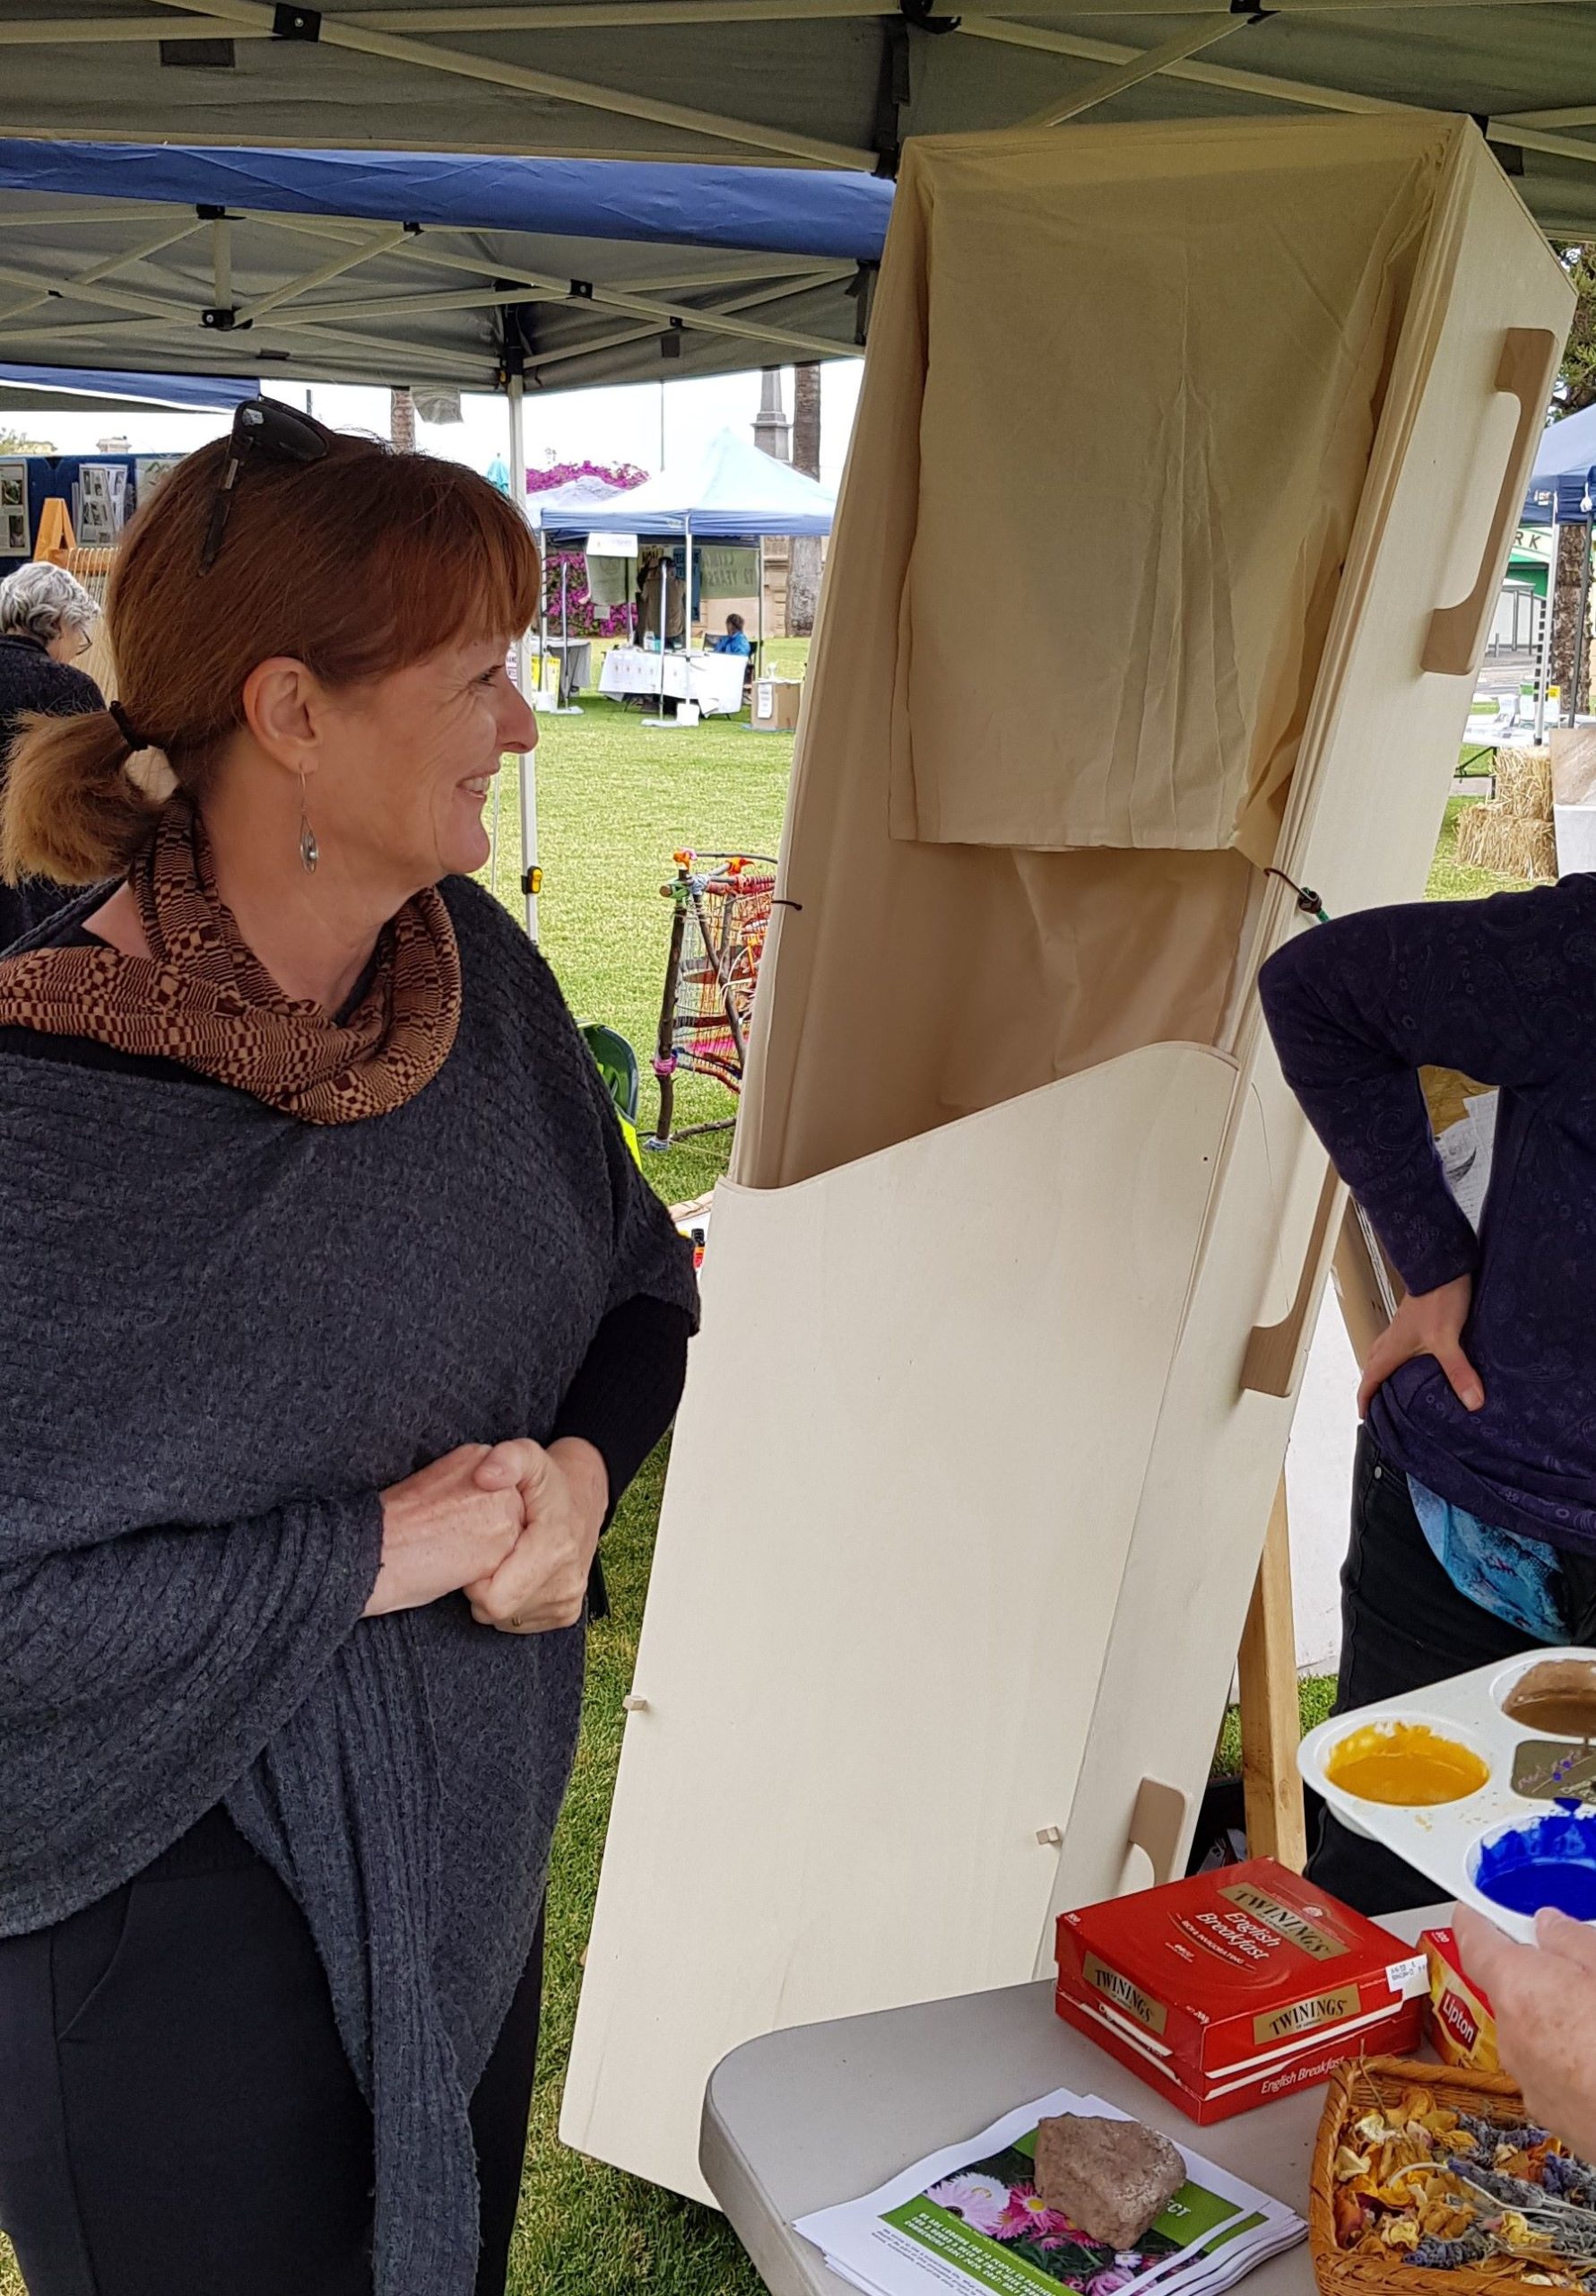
x=1237, y=1987
x=1460, y=2022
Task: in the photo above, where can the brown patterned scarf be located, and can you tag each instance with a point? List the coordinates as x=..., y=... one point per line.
x=203, y=999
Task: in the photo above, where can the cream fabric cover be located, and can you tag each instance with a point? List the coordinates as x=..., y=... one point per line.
x=1163, y=555
x=920, y=980
x=1012, y=1483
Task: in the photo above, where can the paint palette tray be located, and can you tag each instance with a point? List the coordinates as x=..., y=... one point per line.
x=1466, y=1791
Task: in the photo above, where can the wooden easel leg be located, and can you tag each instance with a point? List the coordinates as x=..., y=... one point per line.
x=1270, y=1725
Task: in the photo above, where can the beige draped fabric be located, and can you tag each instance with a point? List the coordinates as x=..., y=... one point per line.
x=1162, y=554
x=1163, y=548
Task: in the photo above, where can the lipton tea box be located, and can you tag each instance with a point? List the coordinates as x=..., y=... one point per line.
x=1460, y=2024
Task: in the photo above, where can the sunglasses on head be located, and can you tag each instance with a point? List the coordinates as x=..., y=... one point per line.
x=261, y=427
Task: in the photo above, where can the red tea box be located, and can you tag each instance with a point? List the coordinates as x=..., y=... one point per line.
x=1237, y=1986
x=1460, y=2024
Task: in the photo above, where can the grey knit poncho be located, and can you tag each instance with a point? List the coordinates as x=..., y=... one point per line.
x=222, y=1332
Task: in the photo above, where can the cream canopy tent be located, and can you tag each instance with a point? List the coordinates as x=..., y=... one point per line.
x=832, y=83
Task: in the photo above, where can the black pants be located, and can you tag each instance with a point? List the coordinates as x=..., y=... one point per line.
x=177, y=2114
x=1404, y=1624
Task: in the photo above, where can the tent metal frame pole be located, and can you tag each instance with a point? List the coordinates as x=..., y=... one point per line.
x=221, y=263
x=618, y=14
x=687, y=617
x=1543, y=668
x=715, y=319
x=666, y=561
x=516, y=393
x=1204, y=33
x=564, y=706
x=620, y=336
x=377, y=243
x=1509, y=128
x=73, y=289
x=1581, y=636
x=338, y=32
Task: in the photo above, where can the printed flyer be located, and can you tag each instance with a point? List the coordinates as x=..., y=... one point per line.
x=970, y=2218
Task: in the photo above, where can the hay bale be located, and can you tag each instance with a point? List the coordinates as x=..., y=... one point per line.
x=1524, y=783
x=1509, y=845
x=1574, y=764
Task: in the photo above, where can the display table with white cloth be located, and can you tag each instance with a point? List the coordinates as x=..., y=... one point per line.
x=802, y=2119
x=713, y=680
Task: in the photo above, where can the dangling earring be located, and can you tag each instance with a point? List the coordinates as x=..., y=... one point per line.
x=309, y=851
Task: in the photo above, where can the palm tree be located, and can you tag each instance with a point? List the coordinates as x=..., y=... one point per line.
x=804, y=566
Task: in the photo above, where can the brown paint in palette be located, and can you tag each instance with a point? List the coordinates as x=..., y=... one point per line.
x=1556, y=1697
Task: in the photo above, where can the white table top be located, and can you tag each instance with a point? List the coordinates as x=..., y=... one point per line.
x=802, y=2119
x=715, y=680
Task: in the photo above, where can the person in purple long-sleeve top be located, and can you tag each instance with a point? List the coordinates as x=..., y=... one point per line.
x=1474, y=1497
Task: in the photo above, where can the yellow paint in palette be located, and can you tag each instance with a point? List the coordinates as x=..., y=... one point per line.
x=1405, y=1763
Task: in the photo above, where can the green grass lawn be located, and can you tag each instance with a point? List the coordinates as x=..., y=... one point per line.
x=614, y=801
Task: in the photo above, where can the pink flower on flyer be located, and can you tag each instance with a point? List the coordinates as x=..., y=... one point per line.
x=1027, y=2217
x=979, y=2200
x=1109, y=2283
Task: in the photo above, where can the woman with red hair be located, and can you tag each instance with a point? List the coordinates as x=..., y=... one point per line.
x=337, y=1317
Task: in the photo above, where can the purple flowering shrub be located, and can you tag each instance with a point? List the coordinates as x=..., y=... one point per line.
x=586, y=620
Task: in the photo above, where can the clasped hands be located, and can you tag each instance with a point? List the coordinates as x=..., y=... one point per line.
x=511, y=1526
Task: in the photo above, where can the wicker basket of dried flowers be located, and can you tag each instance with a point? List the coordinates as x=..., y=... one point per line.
x=1427, y=2180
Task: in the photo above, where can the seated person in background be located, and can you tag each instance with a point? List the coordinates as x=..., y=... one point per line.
x=735, y=640
x=47, y=620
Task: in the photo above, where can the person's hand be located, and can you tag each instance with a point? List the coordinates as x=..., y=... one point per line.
x=1544, y=1996
x=1427, y=1323
x=563, y=1493
x=445, y=1527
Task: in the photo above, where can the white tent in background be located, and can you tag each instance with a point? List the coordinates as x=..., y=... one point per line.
x=560, y=509
x=732, y=489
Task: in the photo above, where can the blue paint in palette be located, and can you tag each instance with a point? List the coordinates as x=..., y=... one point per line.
x=1551, y=1862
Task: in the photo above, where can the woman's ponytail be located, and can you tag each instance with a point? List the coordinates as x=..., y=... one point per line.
x=71, y=809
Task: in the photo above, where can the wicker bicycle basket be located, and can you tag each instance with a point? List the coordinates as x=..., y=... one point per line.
x=1379, y=2080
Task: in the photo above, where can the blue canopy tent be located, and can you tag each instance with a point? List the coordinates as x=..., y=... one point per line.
x=426, y=269
x=1560, y=492
x=563, y=517
x=68, y=390
x=54, y=390
x=439, y=271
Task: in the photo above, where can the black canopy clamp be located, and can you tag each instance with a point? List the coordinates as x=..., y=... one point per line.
x=861, y=289
x=922, y=14
x=222, y=319
x=581, y=291
x=295, y=23
x=1250, y=9
x=208, y=214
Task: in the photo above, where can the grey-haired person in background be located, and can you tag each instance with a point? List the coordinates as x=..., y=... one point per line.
x=47, y=622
